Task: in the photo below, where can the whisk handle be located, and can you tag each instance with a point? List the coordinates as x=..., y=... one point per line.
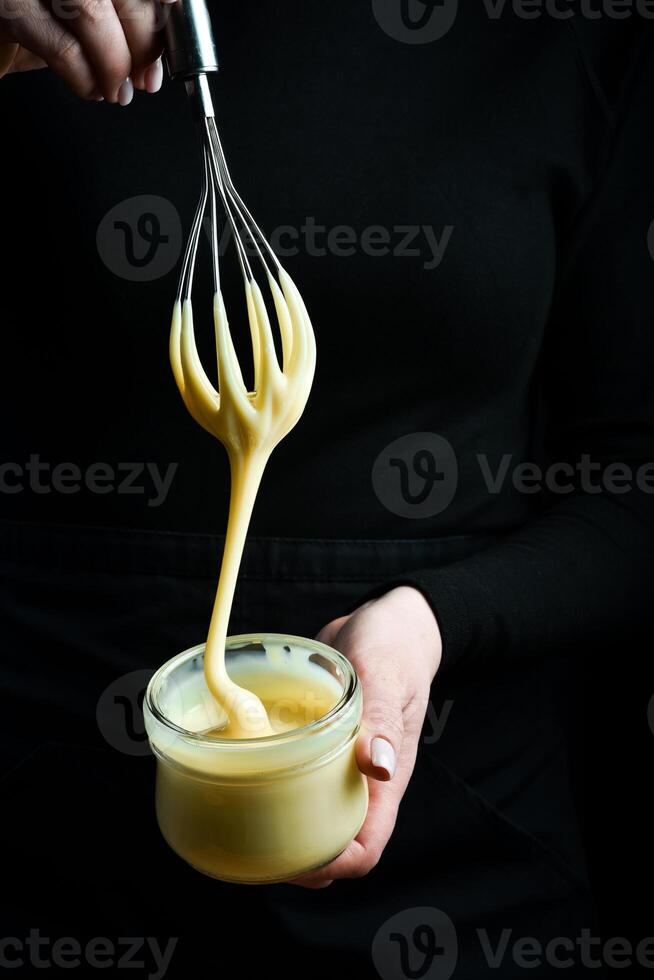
x=190, y=46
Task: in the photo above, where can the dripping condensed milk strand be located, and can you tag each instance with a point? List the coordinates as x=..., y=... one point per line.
x=249, y=424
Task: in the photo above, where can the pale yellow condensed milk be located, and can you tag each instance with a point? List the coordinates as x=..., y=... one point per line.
x=255, y=736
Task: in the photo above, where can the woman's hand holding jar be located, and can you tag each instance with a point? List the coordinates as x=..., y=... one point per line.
x=394, y=644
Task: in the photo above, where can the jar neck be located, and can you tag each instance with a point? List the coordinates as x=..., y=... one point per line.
x=215, y=758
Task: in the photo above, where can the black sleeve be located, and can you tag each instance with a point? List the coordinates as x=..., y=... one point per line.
x=583, y=569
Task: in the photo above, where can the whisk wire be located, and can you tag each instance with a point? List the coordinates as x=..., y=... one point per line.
x=246, y=232
x=272, y=374
x=252, y=228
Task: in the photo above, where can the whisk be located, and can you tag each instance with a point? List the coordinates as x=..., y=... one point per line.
x=248, y=423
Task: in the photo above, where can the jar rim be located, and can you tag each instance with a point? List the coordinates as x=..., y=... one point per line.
x=349, y=690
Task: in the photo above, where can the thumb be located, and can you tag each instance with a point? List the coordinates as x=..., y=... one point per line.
x=15, y=58
x=8, y=52
x=328, y=633
x=382, y=725
x=382, y=722
x=26, y=61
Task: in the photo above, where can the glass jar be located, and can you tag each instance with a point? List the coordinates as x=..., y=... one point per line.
x=258, y=809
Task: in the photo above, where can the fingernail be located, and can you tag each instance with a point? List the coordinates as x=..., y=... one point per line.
x=154, y=77
x=126, y=92
x=382, y=755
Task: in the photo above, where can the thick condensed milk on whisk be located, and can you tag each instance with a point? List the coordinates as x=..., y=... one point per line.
x=255, y=736
x=249, y=425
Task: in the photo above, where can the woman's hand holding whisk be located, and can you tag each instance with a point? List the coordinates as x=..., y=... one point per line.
x=103, y=49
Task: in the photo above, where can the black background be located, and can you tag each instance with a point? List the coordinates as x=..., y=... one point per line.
x=493, y=130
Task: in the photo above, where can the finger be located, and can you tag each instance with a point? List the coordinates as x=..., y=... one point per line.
x=363, y=854
x=154, y=77
x=138, y=78
x=382, y=726
x=13, y=57
x=97, y=27
x=26, y=61
x=329, y=632
x=346, y=865
x=149, y=79
x=310, y=882
x=139, y=21
x=39, y=32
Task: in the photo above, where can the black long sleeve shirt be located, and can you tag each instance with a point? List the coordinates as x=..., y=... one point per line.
x=469, y=221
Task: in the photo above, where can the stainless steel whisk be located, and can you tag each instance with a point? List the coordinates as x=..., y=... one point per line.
x=191, y=56
x=248, y=423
